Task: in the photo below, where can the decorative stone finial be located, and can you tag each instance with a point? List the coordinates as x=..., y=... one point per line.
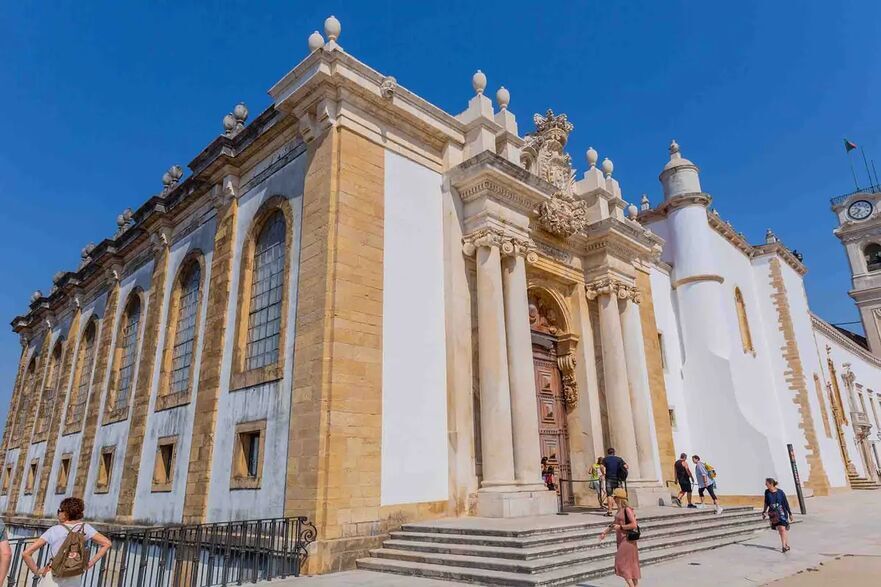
x=592, y=157
x=234, y=122
x=644, y=203
x=316, y=42
x=388, y=87
x=478, y=82
x=608, y=167
x=503, y=97
x=87, y=250
x=229, y=124
x=632, y=211
x=36, y=295
x=240, y=112
x=770, y=237
x=171, y=177
x=332, y=28
x=674, y=148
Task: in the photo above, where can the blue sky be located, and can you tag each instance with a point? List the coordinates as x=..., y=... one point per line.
x=100, y=98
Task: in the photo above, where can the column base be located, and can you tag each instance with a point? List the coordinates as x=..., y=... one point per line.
x=516, y=501
x=643, y=493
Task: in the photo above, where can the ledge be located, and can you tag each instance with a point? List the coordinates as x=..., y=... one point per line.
x=168, y=401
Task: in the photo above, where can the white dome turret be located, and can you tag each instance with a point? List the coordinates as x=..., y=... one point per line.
x=680, y=176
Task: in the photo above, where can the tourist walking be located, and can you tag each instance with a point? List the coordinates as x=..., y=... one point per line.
x=682, y=473
x=777, y=510
x=547, y=474
x=68, y=547
x=616, y=475
x=626, y=533
x=597, y=477
x=705, y=482
x=5, y=554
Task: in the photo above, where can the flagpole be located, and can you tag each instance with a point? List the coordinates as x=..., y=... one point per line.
x=852, y=172
x=869, y=173
x=875, y=172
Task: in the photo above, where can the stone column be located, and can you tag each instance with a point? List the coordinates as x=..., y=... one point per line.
x=495, y=394
x=521, y=374
x=640, y=395
x=615, y=377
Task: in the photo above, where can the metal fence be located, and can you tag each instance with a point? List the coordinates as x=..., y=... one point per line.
x=204, y=555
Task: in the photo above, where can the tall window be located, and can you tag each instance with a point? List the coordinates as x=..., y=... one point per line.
x=53, y=381
x=84, y=374
x=127, y=349
x=264, y=310
x=745, y=336
x=185, y=329
x=26, y=395
x=873, y=256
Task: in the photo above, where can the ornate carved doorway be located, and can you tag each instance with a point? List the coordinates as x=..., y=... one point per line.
x=549, y=394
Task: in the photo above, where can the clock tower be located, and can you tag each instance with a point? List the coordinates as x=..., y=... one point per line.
x=859, y=229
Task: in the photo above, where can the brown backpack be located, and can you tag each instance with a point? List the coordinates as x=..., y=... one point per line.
x=72, y=559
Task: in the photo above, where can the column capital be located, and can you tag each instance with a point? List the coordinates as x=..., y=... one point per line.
x=509, y=245
x=612, y=286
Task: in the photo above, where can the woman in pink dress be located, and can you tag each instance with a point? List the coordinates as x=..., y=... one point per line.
x=627, y=555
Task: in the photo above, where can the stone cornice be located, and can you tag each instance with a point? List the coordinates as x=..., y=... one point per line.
x=832, y=333
x=674, y=203
x=780, y=250
x=490, y=174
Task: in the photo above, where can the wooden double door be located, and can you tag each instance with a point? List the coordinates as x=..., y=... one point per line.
x=552, y=432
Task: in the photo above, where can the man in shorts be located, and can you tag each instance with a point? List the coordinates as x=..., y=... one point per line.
x=684, y=477
x=615, y=474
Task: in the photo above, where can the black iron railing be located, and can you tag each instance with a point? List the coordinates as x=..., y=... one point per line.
x=204, y=555
x=872, y=189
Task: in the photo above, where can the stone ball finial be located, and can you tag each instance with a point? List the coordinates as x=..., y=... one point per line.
x=120, y=221
x=503, y=97
x=229, y=123
x=632, y=211
x=240, y=112
x=332, y=28
x=608, y=167
x=176, y=172
x=316, y=42
x=36, y=295
x=87, y=250
x=770, y=237
x=592, y=157
x=674, y=148
x=478, y=82
x=166, y=179
x=644, y=203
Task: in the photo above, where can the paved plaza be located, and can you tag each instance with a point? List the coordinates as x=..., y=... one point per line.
x=838, y=542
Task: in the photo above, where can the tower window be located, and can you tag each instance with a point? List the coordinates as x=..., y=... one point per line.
x=872, y=253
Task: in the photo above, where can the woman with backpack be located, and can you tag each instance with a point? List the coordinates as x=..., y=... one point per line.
x=777, y=510
x=627, y=533
x=68, y=547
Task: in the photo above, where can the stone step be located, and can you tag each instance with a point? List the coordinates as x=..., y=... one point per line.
x=577, y=543
x=571, y=575
x=599, y=551
x=675, y=514
x=685, y=522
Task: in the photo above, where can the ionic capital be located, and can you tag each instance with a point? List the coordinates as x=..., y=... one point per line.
x=610, y=286
x=509, y=245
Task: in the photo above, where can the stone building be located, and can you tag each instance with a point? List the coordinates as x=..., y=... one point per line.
x=363, y=309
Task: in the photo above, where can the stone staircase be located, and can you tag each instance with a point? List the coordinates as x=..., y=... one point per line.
x=551, y=550
x=861, y=483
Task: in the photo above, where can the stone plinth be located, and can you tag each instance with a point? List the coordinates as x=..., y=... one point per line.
x=647, y=493
x=531, y=500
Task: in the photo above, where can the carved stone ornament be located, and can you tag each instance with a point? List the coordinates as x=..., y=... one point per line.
x=508, y=245
x=612, y=287
x=566, y=363
x=544, y=316
x=388, y=86
x=563, y=215
x=543, y=153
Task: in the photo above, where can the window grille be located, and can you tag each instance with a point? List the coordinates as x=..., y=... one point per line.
x=185, y=330
x=129, y=345
x=264, y=313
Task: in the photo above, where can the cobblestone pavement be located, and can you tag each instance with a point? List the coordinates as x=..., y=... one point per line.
x=837, y=543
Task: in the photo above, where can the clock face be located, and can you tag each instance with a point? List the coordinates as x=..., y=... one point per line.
x=859, y=210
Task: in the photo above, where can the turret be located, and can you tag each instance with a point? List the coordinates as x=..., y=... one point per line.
x=680, y=176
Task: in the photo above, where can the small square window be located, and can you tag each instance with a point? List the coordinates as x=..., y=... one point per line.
x=63, y=474
x=7, y=476
x=247, y=465
x=32, y=477
x=163, y=466
x=105, y=470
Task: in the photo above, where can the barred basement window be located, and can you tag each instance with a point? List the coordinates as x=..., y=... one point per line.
x=247, y=466
x=105, y=470
x=32, y=477
x=264, y=311
x=84, y=375
x=163, y=467
x=63, y=474
x=185, y=330
x=127, y=351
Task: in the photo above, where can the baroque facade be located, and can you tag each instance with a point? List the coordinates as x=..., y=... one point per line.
x=366, y=310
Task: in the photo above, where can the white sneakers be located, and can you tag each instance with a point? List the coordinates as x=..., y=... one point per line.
x=719, y=509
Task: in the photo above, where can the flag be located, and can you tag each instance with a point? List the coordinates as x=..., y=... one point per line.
x=849, y=146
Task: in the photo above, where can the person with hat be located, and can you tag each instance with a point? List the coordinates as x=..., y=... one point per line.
x=627, y=555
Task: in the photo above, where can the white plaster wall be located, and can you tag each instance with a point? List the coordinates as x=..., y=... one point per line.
x=271, y=401
x=415, y=464
x=167, y=507
x=102, y=506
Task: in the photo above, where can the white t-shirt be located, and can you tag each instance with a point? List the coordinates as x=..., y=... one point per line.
x=57, y=534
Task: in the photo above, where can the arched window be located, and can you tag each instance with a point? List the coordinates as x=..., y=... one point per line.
x=126, y=356
x=84, y=375
x=264, y=309
x=745, y=336
x=26, y=395
x=50, y=392
x=872, y=253
x=181, y=341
